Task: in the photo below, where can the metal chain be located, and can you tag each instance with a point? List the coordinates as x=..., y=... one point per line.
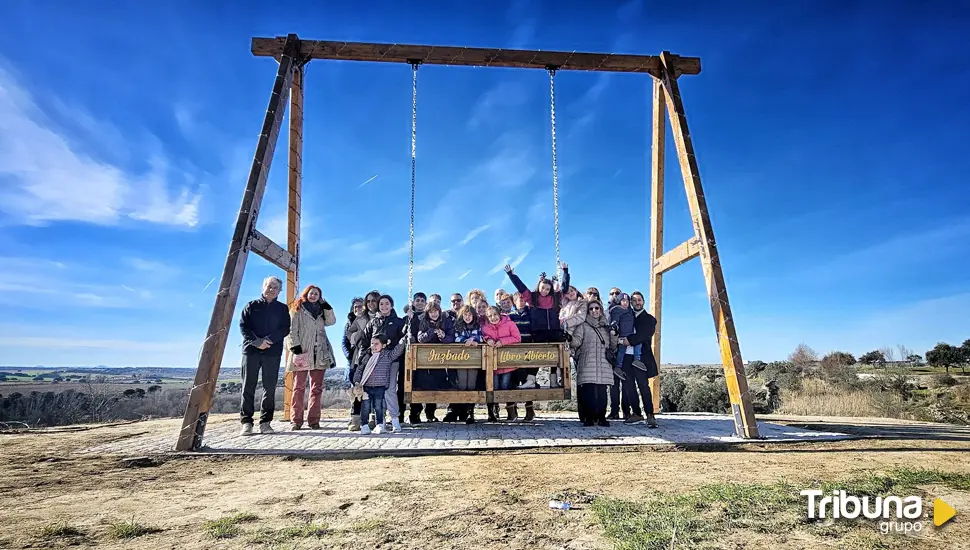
x=414, y=137
x=555, y=165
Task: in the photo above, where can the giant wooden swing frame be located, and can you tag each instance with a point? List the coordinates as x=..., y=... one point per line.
x=293, y=53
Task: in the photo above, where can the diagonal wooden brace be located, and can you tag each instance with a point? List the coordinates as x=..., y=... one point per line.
x=271, y=252
x=683, y=253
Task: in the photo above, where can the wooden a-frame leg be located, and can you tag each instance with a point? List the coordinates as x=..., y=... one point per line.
x=657, y=226
x=294, y=208
x=214, y=345
x=737, y=384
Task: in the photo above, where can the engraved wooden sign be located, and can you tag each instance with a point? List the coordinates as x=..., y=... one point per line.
x=528, y=355
x=448, y=355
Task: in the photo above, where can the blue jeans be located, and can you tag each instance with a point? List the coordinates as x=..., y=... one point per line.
x=374, y=403
x=503, y=381
x=621, y=350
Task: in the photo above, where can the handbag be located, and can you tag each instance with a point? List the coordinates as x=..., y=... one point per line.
x=610, y=353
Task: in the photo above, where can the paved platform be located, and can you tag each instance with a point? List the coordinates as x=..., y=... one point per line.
x=547, y=431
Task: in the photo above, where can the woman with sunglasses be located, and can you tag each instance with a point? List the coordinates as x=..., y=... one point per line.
x=593, y=344
x=359, y=344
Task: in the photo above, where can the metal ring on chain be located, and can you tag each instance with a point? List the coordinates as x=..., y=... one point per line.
x=414, y=136
x=555, y=166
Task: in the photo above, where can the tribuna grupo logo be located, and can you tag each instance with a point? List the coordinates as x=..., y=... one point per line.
x=897, y=514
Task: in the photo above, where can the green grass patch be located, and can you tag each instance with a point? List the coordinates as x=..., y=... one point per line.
x=227, y=527
x=278, y=536
x=61, y=529
x=366, y=525
x=702, y=517
x=131, y=529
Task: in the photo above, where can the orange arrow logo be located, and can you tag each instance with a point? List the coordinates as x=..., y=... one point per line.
x=942, y=512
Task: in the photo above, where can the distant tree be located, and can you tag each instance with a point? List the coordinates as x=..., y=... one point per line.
x=839, y=359
x=875, y=357
x=903, y=352
x=754, y=367
x=128, y=393
x=140, y=392
x=888, y=353
x=39, y=378
x=944, y=355
x=803, y=356
x=915, y=359
x=153, y=389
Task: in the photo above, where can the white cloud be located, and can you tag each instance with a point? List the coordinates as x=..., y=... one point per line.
x=474, y=233
x=465, y=274
x=51, y=178
x=160, y=269
x=496, y=102
x=500, y=266
x=432, y=261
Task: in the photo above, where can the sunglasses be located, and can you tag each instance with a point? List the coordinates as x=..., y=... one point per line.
x=595, y=309
x=613, y=293
x=456, y=301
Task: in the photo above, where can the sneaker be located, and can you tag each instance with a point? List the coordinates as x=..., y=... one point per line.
x=618, y=372
x=371, y=424
x=247, y=429
x=354, y=425
x=651, y=421
x=365, y=430
x=604, y=423
x=314, y=425
x=379, y=429
x=294, y=427
x=414, y=419
x=613, y=416
x=530, y=414
x=470, y=419
x=633, y=419
x=639, y=364
x=266, y=428
x=395, y=425
x=588, y=423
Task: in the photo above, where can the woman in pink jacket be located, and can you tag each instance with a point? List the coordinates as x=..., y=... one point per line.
x=501, y=331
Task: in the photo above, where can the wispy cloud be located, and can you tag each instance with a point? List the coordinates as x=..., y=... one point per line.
x=500, y=266
x=432, y=261
x=465, y=274
x=276, y=228
x=368, y=180
x=474, y=233
x=496, y=103
x=52, y=179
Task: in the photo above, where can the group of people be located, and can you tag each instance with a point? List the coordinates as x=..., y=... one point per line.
x=609, y=345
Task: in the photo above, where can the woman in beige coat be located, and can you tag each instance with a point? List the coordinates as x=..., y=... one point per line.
x=594, y=373
x=310, y=353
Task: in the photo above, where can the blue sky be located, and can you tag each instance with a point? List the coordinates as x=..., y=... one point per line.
x=830, y=138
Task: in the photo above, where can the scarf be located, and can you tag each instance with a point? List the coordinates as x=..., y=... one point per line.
x=313, y=308
x=368, y=370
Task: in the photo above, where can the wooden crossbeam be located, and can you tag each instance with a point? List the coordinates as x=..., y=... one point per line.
x=272, y=252
x=682, y=253
x=481, y=57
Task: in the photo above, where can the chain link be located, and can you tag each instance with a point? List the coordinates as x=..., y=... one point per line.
x=414, y=137
x=555, y=165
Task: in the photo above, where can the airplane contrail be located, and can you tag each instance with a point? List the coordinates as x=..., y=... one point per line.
x=128, y=288
x=207, y=284
x=372, y=178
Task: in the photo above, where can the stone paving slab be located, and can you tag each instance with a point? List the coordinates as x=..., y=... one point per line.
x=545, y=432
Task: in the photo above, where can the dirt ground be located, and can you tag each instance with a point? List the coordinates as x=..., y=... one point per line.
x=488, y=500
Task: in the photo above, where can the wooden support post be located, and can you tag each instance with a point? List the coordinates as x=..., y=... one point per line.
x=737, y=384
x=214, y=345
x=657, y=226
x=294, y=209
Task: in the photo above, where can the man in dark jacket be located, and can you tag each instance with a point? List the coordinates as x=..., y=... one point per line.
x=644, y=327
x=264, y=323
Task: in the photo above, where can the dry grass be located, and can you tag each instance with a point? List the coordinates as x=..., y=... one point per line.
x=817, y=397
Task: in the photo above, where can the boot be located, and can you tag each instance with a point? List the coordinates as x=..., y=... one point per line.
x=354, y=425
x=651, y=421
x=470, y=419
x=554, y=379
x=530, y=412
x=512, y=411
x=451, y=415
x=492, y=413
x=414, y=418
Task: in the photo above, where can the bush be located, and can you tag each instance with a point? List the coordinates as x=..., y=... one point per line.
x=839, y=375
x=786, y=374
x=705, y=396
x=672, y=389
x=839, y=359
x=943, y=380
x=803, y=356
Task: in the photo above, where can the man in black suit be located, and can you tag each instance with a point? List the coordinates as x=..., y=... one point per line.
x=639, y=373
